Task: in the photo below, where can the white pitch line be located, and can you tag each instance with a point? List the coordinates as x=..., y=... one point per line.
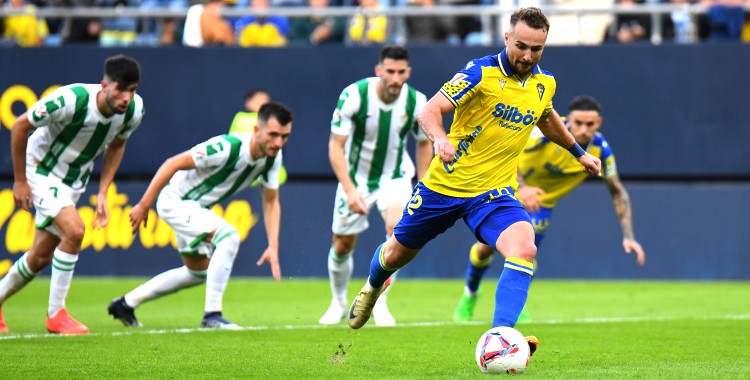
x=410, y=324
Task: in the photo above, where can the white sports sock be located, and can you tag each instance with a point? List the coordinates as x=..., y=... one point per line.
x=63, y=265
x=164, y=283
x=17, y=277
x=339, y=273
x=227, y=242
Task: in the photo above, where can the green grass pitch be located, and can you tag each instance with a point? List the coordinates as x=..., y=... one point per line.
x=587, y=329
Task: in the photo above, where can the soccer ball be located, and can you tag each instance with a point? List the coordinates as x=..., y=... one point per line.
x=502, y=350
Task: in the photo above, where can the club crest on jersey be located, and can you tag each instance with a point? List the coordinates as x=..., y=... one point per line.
x=540, y=89
x=502, y=83
x=39, y=113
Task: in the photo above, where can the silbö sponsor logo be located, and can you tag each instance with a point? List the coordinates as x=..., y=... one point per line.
x=462, y=148
x=508, y=114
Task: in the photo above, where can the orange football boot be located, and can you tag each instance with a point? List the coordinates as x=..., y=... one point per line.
x=533, y=344
x=3, y=326
x=62, y=323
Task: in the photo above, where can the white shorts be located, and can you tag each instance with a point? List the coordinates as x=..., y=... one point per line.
x=190, y=221
x=393, y=192
x=50, y=196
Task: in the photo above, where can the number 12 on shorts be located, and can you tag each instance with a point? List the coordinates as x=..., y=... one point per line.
x=414, y=202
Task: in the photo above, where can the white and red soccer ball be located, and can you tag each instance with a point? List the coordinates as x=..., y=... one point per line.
x=502, y=350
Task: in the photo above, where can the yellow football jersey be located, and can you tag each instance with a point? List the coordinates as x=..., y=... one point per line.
x=244, y=122
x=26, y=29
x=495, y=113
x=546, y=165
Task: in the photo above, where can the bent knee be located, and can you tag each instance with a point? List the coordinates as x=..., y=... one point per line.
x=73, y=235
x=526, y=251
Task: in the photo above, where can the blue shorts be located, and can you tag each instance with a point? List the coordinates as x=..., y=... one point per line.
x=540, y=222
x=429, y=214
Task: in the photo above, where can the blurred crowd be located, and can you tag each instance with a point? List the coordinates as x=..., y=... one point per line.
x=206, y=24
x=725, y=20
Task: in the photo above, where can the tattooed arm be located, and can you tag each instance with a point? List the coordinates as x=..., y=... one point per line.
x=621, y=201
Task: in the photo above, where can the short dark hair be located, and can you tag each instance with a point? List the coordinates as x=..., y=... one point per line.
x=531, y=16
x=256, y=91
x=122, y=69
x=394, y=52
x=276, y=110
x=584, y=103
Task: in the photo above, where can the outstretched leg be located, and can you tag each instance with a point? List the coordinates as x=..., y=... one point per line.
x=168, y=282
x=391, y=215
x=389, y=257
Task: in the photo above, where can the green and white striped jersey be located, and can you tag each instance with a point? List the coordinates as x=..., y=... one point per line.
x=223, y=166
x=71, y=132
x=376, y=148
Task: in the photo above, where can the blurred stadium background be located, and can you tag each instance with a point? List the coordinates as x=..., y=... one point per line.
x=675, y=114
